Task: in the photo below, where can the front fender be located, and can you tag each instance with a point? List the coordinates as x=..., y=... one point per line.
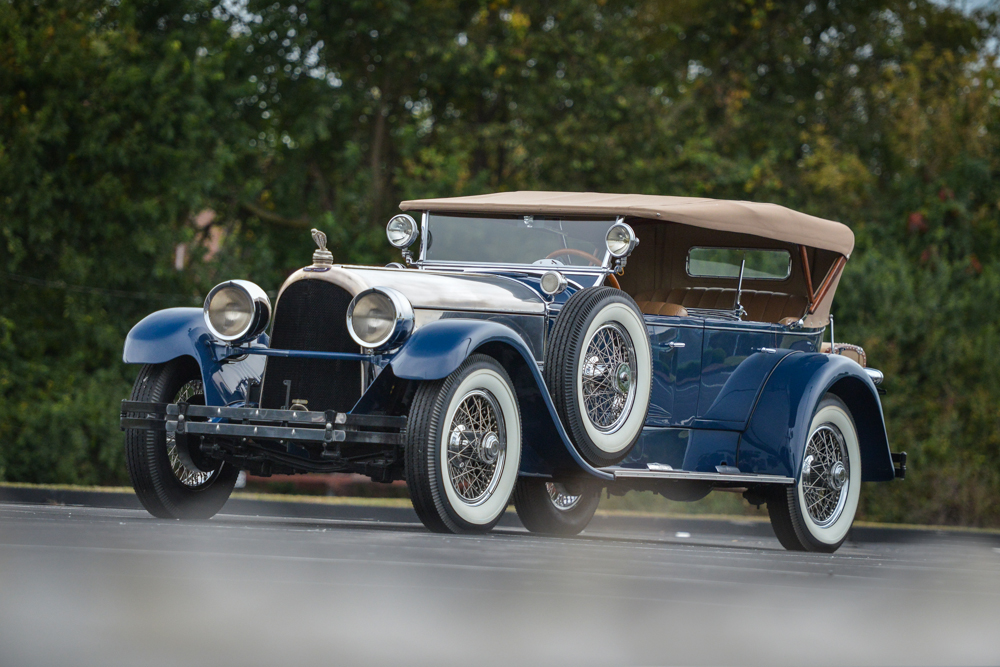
x=177, y=332
x=775, y=437
x=436, y=350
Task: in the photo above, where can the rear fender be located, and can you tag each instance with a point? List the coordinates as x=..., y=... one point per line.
x=775, y=437
x=434, y=351
x=178, y=332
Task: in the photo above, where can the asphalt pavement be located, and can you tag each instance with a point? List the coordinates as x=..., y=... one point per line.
x=266, y=584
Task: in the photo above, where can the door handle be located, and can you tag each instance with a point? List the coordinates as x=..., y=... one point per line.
x=674, y=345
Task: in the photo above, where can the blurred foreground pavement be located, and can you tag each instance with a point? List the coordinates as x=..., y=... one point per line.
x=105, y=586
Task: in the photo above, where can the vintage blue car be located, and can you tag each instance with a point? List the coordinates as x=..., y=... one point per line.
x=517, y=358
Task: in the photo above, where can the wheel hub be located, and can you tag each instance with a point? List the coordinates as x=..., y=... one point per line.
x=623, y=376
x=489, y=448
x=838, y=476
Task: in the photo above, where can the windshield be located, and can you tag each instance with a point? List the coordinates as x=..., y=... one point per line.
x=538, y=240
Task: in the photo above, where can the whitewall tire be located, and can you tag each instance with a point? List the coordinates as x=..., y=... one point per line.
x=598, y=368
x=463, y=447
x=817, y=512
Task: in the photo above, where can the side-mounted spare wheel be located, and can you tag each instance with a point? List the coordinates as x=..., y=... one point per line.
x=463, y=447
x=598, y=368
x=172, y=479
x=816, y=513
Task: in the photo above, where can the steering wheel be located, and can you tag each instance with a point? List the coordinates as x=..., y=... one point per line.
x=573, y=252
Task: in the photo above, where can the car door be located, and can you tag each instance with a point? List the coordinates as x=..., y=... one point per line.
x=677, y=357
x=727, y=345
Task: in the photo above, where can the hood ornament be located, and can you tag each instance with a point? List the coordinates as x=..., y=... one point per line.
x=321, y=256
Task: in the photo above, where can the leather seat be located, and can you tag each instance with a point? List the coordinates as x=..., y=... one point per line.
x=662, y=308
x=761, y=306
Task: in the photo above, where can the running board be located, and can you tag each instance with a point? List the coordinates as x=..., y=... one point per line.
x=742, y=478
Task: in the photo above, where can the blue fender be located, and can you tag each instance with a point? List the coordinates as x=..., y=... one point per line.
x=775, y=437
x=436, y=350
x=177, y=332
x=732, y=407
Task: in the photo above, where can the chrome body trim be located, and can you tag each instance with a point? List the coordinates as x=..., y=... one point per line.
x=530, y=269
x=743, y=478
x=875, y=375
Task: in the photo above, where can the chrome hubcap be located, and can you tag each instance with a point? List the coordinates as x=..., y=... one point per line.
x=560, y=497
x=184, y=469
x=476, y=447
x=608, y=369
x=825, y=475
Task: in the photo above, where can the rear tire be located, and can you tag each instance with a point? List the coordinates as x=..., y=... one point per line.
x=463, y=447
x=816, y=513
x=171, y=480
x=551, y=508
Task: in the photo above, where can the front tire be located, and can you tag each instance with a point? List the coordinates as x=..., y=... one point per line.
x=553, y=508
x=171, y=479
x=463, y=447
x=817, y=512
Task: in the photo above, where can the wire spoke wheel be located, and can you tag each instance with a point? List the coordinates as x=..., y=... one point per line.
x=561, y=498
x=463, y=447
x=816, y=514
x=476, y=447
x=609, y=369
x=181, y=465
x=825, y=475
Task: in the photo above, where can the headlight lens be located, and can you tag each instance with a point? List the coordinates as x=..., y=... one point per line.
x=553, y=283
x=236, y=311
x=402, y=231
x=379, y=317
x=621, y=240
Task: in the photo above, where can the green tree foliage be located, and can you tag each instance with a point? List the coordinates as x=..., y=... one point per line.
x=121, y=123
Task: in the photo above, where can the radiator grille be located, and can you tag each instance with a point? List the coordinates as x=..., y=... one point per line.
x=311, y=316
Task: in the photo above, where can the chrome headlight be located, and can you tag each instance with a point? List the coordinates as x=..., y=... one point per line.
x=621, y=240
x=379, y=317
x=236, y=311
x=553, y=282
x=402, y=231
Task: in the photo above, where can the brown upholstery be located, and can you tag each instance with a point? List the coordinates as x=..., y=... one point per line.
x=855, y=352
x=760, y=306
x=661, y=308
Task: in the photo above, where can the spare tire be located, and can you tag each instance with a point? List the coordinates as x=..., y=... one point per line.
x=599, y=371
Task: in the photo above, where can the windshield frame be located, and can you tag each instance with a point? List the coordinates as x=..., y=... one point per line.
x=604, y=269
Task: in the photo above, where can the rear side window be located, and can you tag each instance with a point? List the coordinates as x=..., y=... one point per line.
x=725, y=263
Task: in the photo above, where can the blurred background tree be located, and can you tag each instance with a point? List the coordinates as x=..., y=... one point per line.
x=150, y=149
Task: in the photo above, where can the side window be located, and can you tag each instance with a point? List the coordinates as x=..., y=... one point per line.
x=725, y=263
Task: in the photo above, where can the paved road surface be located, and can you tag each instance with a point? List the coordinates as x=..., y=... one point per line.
x=93, y=586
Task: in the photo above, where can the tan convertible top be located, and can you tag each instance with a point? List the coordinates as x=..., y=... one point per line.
x=767, y=220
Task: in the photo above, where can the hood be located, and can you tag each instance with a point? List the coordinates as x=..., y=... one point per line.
x=433, y=290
